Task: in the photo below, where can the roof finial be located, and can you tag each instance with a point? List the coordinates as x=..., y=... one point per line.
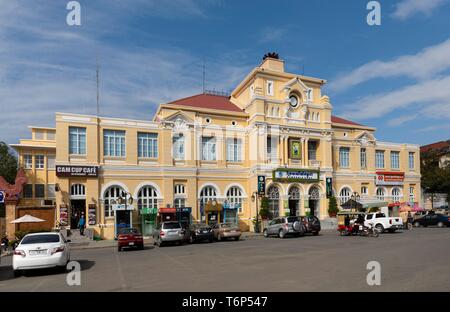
x=273, y=55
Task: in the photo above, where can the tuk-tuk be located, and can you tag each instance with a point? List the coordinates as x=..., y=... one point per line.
x=346, y=222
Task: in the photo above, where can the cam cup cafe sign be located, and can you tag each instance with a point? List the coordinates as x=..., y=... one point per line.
x=389, y=178
x=76, y=171
x=296, y=175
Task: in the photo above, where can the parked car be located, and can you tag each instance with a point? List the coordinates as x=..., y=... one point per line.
x=39, y=251
x=200, y=232
x=433, y=220
x=285, y=226
x=169, y=232
x=419, y=214
x=130, y=238
x=312, y=224
x=226, y=231
x=383, y=223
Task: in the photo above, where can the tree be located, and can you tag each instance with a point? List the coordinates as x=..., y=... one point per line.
x=8, y=163
x=332, y=207
x=265, y=212
x=434, y=179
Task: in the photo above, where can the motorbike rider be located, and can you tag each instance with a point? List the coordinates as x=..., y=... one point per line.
x=358, y=222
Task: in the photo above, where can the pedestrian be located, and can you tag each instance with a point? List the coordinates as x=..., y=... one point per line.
x=82, y=224
x=410, y=220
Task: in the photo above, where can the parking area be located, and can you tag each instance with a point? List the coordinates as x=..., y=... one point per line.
x=416, y=260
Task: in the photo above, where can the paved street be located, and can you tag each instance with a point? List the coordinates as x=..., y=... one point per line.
x=415, y=260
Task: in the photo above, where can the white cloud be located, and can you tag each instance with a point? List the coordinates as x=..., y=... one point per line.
x=408, y=8
x=431, y=92
x=48, y=67
x=398, y=121
x=430, y=61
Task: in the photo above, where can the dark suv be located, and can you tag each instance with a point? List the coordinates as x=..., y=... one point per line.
x=285, y=226
x=312, y=224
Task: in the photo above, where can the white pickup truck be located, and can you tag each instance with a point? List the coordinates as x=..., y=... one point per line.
x=383, y=223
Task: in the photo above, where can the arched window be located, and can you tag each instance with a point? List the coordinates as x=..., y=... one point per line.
x=345, y=194
x=364, y=191
x=318, y=116
x=380, y=193
x=396, y=194
x=147, y=197
x=294, y=193
x=110, y=198
x=180, y=196
x=77, y=190
x=273, y=194
x=277, y=112
x=207, y=194
x=314, y=193
x=234, y=197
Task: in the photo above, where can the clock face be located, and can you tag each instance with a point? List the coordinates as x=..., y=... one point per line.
x=293, y=101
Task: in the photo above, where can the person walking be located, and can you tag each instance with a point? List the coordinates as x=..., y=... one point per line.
x=82, y=224
x=410, y=220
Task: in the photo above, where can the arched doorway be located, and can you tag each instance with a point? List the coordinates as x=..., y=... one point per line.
x=314, y=201
x=294, y=201
x=148, y=208
x=208, y=194
x=273, y=194
x=77, y=204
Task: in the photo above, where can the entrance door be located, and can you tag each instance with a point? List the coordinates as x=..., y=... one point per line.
x=312, y=207
x=293, y=208
x=123, y=219
x=77, y=206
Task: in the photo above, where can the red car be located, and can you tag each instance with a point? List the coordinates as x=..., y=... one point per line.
x=130, y=238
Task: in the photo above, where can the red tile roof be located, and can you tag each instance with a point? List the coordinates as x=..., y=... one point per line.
x=344, y=121
x=208, y=101
x=220, y=102
x=438, y=146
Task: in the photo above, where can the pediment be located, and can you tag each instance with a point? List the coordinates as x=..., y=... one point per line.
x=178, y=117
x=365, y=137
x=296, y=84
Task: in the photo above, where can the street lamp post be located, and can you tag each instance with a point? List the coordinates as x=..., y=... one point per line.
x=355, y=197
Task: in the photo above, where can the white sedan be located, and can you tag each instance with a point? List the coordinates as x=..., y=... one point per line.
x=41, y=250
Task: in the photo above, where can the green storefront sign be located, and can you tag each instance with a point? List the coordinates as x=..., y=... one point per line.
x=296, y=175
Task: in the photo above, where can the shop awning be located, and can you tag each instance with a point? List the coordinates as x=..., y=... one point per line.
x=167, y=210
x=364, y=204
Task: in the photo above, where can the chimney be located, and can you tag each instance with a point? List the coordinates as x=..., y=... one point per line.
x=271, y=61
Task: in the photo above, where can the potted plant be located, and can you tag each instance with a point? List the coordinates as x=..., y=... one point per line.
x=264, y=211
x=332, y=207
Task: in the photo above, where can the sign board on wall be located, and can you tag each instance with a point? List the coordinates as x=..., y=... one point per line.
x=261, y=185
x=63, y=215
x=92, y=214
x=296, y=175
x=389, y=178
x=76, y=171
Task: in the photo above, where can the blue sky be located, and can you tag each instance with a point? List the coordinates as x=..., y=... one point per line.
x=395, y=77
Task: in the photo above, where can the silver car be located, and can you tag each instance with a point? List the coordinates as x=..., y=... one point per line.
x=285, y=226
x=170, y=231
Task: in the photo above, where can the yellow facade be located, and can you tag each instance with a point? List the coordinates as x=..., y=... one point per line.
x=223, y=152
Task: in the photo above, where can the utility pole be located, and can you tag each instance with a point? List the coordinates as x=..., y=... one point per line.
x=204, y=76
x=98, y=90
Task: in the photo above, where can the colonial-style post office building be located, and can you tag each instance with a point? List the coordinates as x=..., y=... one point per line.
x=206, y=152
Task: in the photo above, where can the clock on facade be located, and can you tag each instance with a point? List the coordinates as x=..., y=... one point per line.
x=293, y=101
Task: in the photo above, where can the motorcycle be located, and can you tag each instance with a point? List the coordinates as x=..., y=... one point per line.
x=360, y=230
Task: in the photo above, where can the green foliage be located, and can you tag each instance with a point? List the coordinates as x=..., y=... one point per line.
x=264, y=212
x=333, y=207
x=434, y=179
x=374, y=209
x=8, y=163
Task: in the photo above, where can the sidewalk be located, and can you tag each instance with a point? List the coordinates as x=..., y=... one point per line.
x=111, y=243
